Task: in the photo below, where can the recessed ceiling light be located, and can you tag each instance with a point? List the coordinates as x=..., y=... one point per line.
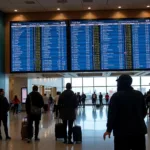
x=58, y=8
x=15, y=10
x=148, y=6
x=89, y=8
x=119, y=7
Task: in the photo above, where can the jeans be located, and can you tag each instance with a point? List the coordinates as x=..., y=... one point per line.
x=15, y=109
x=130, y=143
x=4, y=120
x=68, y=123
x=30, y=127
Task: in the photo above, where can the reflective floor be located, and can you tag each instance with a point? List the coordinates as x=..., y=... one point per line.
x=93, y=123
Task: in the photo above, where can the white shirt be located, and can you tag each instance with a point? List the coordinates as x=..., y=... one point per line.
x=56, y=99
x=45, y=98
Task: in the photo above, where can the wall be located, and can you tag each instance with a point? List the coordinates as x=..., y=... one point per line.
x=53, y=82
x=2, y=75
x=65, y=16
x=15, y=85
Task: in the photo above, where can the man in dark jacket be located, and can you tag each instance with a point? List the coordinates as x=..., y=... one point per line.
x=126, y=114
x=148, y=101
x=68, y=105
x=83, y=97
x=4, y=108
x=34, y=103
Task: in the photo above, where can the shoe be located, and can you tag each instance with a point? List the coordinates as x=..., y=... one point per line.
x=0, y=137
x=37, y=139
x=28, y=140
x=8, y=138
x=70, y=142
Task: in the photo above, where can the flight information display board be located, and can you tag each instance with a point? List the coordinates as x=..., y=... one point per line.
x=38, y=46
x=110, y=45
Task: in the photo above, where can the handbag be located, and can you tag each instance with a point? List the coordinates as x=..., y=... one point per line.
x=34, y=109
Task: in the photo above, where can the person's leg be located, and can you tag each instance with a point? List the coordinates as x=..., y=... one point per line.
x=70, y=126
x=37, y=122
x=14, y=109
x=6, y=127
x=121, y=143
x=56, y=111
x=30, y=128
x=65, y=130
x=17, y=108
x=138, y=142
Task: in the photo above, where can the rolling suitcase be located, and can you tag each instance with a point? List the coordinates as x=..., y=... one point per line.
x=59, y=130
x=77, y=134
x=24, y=128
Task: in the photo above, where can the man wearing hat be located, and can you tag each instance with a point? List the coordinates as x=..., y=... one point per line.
x=126, y=114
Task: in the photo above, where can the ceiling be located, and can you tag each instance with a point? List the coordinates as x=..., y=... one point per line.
x=69, y=5
x=80, y=74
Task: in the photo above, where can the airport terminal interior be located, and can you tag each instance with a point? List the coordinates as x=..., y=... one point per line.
x=88, y=43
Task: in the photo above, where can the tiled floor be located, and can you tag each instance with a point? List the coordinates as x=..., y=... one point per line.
x=93, y=123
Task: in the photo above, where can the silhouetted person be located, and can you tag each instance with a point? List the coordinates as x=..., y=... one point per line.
x=68, y=105
x=56, y=99
x=94, y=98
x=126, y=114
x=107, y=98
x=16, y=102
x=46, y=103
x=101, y=99
x=4, y=108
x=79, y=98
x=83, y=98
x=34, y=103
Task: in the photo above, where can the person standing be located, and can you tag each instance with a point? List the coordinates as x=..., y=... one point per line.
x=94, y=98
x=127, y=110
x=4, y=108
x=83, y=98
x=46, y=102
x=79, y=98
x=34, y=103
x=148, y=102
x=56, y=108
x=67, y=107
x=101, y=99
x=107, y=98
x=16, y=102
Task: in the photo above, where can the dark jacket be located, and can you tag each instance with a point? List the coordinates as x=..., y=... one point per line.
x=37, y=100
x=83, y=97
x=67, y=104
x=148, y=99
x=4, y=106
x=100, y=97
x=126, y=113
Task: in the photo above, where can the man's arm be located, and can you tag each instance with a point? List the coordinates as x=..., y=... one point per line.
x=27, y=105
x=6, y=104
x=143, y=106
x=111, y=113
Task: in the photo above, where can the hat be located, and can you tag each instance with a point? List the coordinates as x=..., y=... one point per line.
x=125, y=78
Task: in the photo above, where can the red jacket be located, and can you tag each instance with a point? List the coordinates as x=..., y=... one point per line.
x=16, y=101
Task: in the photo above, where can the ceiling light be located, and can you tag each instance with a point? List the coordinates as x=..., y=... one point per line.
x=89, y=8
x=15, y=10
x=58, y=9
x=119, y=7
x=148, y=6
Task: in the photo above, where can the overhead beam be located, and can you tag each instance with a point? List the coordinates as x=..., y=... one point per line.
x=139, y=73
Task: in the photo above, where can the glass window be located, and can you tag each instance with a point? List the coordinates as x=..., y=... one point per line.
x=111, y=90
x=136, y=81
x=87, y=81
x=65, y=81
x=136, y=88
x=88, y=91
x=76, y=82
x=99, y=81
x=111, y=81
x=145, y=80
x=77, y=89
x=145, y=89
x=97, y=90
